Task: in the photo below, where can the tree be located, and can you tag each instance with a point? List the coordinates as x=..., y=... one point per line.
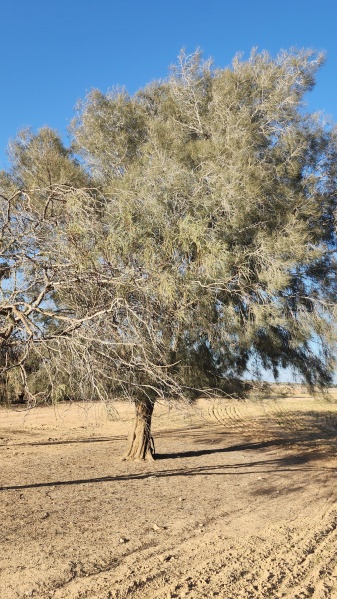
x=86, y=320
x=205, y=240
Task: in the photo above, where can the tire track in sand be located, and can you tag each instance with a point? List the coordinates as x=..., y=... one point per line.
x=297, y=562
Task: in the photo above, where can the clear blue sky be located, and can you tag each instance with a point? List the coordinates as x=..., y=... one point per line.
x=54, y=51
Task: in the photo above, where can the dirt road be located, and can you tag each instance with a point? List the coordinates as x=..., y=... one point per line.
x=240, y=504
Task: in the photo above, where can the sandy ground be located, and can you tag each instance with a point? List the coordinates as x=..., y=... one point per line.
x=240, y=504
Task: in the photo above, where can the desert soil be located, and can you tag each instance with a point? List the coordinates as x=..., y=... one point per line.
x=240, y=503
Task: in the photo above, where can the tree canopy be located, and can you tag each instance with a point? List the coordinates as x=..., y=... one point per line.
x=186, y=236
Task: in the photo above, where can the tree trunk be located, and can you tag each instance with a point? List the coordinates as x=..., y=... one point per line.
x=140, y=443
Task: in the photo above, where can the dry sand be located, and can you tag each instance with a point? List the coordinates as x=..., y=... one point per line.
x=240, y=504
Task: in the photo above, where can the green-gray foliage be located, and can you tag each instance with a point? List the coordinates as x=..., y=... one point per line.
x=222, y=196
x=200, y=215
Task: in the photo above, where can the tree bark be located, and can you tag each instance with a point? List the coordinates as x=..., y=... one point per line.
x=140, y=443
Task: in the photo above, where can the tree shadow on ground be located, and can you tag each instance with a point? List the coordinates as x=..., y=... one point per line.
x=303, y=462
x=65, y=441
x=308, y=429
x=240, y=447
x=312, y=440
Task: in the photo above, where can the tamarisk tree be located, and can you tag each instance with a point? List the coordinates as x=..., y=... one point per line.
x=66, y=300
x=196, y=235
